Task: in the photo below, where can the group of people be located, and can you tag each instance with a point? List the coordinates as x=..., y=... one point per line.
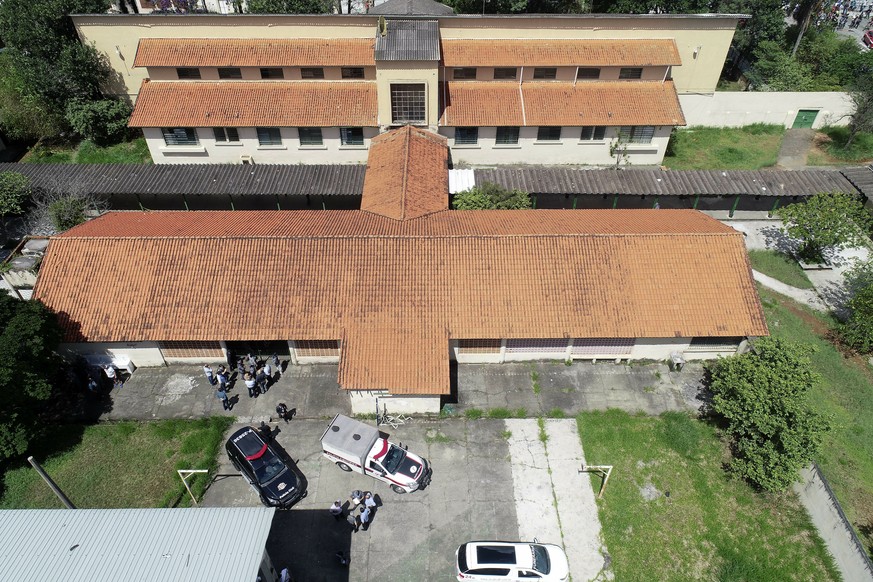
x=360, y=512
x=839, y=14
x=257, y=376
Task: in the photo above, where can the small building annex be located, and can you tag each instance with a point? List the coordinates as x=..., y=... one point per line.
x=397, y=289
x=285, y=89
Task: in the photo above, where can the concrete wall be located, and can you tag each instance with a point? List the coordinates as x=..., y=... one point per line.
x=290, y=152
x=738, y=108
x=569, y=150
x=364, y=402
x=391, y=72
x=140, y=353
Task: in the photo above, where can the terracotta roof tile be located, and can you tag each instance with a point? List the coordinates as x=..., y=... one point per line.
x=255, y=104
x=609, y=103
x=211, y=52
x=407, y=174
x=560, y=52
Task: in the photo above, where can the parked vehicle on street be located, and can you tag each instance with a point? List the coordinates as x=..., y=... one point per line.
x=357, y=446
x=276, y=481
x=868, y=39
x=511, y=561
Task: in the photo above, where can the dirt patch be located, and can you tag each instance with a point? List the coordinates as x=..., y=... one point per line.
x=649, y=492
x=819, y=150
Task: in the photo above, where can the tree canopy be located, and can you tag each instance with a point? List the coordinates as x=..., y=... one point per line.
x=28, y=340
x=490, y=196
x=828, y=220
x=289, y=6
x=763, y=397
x=14, y=190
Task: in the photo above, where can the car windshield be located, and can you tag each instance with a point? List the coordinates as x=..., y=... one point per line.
x=267, y=470
x=541, y=561
x=393, y=458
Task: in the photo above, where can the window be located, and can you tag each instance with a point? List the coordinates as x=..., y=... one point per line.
x=184, y=136
x=466, y=135
x=592, y=133
x=549, y=134
x=310, y=136
x=583, y=73
x=505, y=72
x=352, y=72
x=407, y=103
x=188, y=72
x=637, y=134
x=714, y=344
x=352, y=136
x=311, y=73
x=269, y=136
x=545, y=72
x=630, y=73
x=272, y=73
x=225, y=134
x=507, y=136
x=229, y=73
x=464, y=73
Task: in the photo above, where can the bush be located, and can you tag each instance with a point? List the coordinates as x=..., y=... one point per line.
x=14, y=190
x=67, y=212
x=762, y=395
x=857, y=332
x=103, y=121
x=490, y=196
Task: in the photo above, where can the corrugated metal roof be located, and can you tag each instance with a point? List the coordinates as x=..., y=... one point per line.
x=461, y=180
x=862, y=178
x=554, y=180
x=412, y=8
x=409, y=40
x=96, y=545
x=216, y=179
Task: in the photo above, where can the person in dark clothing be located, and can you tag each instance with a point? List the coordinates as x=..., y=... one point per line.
x=277, y=364
x=261, y=379
x=283, y=412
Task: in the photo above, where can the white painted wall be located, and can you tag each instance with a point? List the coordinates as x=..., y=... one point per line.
x=140, y=353
x=290, y=152
x=569, y=150
x=739, y=108
x=364, y=402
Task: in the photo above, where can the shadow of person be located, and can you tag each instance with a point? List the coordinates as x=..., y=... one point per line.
x=232, y=401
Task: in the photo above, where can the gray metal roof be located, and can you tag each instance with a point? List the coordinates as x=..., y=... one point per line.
x=350, y=436
x=862, y=178
x=412, y=8
x=106, y=545
x=409, y=40
x=236, y=179
x=552, y=180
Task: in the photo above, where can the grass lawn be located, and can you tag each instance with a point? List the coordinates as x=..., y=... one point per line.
x=128, y=464
x=829, y=148
x=129, y=152
x=846, y=394
x=711, y=527
x=724, y=148
x=780, y=267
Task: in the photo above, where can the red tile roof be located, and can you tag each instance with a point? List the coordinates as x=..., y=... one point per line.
x=559, y=52
x=607, y=103
x=223, y=52
x=407, y=174
x=255, y=104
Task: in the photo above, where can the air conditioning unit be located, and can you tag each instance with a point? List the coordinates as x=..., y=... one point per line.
x=246, y=160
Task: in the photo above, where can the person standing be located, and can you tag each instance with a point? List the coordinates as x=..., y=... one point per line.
x=222, y=377
x=262, y=381
x=354, y=521
x=277, y=363
x=221, y=394
x=207, y=369
x=112, y=374
x=355, y=500
x=250, y=384
x=365, y=518
x=336, y=510
x=282, y=411
x=268, y=372
x=240, y=369
x=369, y=502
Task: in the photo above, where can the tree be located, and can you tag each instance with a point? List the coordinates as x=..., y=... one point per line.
x=289, y=6
x=102, y=121
x=774, y=70
x=762, y=396
x=24, y=115
x=857, y=331
x=58, y=205
x=14, y=190
x=29, y=336
x=766, y=24
x=861, y=95
x=490, y=196
x=828, y=220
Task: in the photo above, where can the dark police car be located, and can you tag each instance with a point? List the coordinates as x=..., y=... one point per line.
x=277, y=482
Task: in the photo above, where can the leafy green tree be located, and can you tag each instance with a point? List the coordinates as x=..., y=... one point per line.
x=763, y=397
x=289, y=6
x=861, y=95
x=766, y=24
x=14, y=190
x=29, y=336
x=828, y=220
x=102, y=121
x=24, y=115
x=857, y=331
x=67, y=212
x=490, y=196
x=775, y=70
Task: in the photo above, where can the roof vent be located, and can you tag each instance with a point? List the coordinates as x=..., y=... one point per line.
x=356, y=437
x=334, y=428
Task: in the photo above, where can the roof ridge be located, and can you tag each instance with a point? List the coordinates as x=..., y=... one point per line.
x=403, y=189
x=501, y=235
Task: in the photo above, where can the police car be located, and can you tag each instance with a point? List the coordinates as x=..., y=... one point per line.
x=511, y=561
x=277, y=482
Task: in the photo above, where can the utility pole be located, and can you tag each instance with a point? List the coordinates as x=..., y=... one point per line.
x=64, y=499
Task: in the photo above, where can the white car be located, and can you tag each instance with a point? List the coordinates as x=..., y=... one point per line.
x=516, y=561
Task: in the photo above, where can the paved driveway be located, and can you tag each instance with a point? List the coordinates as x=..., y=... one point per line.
x=492, y=479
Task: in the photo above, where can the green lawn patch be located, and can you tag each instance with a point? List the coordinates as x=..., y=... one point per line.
x=861, y=150
x=846, y=394
x=724, y=148
x=128, y=464
x=781, y=267
x=711, y=526
x=87, y=152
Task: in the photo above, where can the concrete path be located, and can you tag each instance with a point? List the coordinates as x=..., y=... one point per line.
x=794, y=151
x=805, y=296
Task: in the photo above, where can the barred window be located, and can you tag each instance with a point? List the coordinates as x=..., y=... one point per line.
x=352, y=136
x=602, y=346
x=714, y=344
x=269, y=136
x=549, y=134
x=587, y=73
x=311, y=73
x=507, y=136
x=464, y=73
x=352, y=72
x=536, y=345
x=630, y=73
x=316, y=348
x=225, y=134
x=188, y=72
x=310, y=136
x=505, y=73
x=192, y=349
x=592, y=133
x=466, y=135
x=229, y=73
x=272, y=73
x=637, y=133
x=408, y=103
x=479, y=346
x=545, y=73
x=185, y=136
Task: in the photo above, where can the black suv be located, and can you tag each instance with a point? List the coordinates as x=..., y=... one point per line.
x=277, y=482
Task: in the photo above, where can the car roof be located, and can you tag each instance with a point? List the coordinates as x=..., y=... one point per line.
x=499, y=553
x=248, y=441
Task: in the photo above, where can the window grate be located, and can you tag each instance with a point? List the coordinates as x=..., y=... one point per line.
x=479, y=346
x=590, y=133
x=310, y=136
x=229, y=73
x=269, y=136
x=587, y=73
x=505, y=73
x=352, y=136
x=637, y=133
x=549, y=134
x=630, y=73
x=225, y=134
x=311, y=73
x=464, y=73
x=602, y=346
x=192, y=349
x=185, y=136
x=272, y=73
x=536, y=345
x=545, y=73
x=315, y=348
x=408, y=103
x=188, y=72
x=714, y=344
x=466, y=135
x=507, y=136
x=352, y=72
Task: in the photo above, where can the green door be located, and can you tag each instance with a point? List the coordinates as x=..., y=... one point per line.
x=805, y=118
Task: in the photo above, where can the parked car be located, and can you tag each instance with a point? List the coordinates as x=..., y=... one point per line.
x=868, y=38
x=511, y=561
x=277, y=482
